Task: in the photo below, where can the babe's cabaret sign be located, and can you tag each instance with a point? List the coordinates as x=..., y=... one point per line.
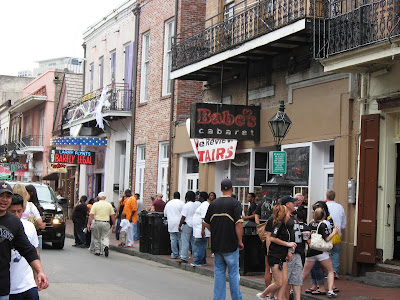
x=72, y=157
x=239, y=122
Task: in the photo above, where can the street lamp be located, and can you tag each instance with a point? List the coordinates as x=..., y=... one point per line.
x=280, y=125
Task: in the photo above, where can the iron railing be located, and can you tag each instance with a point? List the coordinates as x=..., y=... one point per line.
x=246, y=21
x=118, y=98
x=356, y=23
x=31, y=141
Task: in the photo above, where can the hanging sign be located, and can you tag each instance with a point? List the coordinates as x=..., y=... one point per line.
x=239, y=122
x=5, y=171
x=211, y=150
x=57, y=167
x=72, y=157
x=19, y=167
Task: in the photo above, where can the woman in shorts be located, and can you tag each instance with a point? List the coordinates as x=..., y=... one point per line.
x=315, y=255
x=277, y=253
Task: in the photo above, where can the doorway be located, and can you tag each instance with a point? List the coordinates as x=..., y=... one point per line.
x=396, y=253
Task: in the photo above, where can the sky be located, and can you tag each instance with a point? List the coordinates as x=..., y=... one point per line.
x=33, y=30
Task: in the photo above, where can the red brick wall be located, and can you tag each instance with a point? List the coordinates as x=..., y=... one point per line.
x=152, y=121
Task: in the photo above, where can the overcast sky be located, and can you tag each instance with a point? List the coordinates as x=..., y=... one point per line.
x=32, y=30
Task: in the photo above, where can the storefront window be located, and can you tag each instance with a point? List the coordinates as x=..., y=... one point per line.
x=192, y=165
x=240, y=169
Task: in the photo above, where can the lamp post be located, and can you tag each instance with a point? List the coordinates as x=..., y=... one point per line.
x=14, y=158
x=280, y=125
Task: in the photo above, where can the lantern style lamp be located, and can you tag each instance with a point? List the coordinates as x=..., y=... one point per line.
x=14, y=156
x=280, y=125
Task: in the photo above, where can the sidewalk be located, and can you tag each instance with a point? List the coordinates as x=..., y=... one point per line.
x=348, y=289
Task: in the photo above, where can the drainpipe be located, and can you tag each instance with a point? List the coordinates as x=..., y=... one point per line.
x=171, y=113
x=136, y=12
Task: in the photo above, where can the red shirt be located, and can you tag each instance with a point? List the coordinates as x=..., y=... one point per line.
x=159, y=205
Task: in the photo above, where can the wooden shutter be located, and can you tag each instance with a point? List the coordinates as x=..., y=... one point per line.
x=368, y=189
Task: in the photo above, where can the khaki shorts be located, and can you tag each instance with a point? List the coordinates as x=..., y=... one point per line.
x=295, y=270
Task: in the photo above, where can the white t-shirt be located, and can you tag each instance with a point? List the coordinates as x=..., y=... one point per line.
x=338, y=215
x=188, y=211
x=124, y=225
x=30, y=210
x=172, y=211
x=198, y=217
x=21, y=274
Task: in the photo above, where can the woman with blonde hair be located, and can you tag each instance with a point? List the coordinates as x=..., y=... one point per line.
x=277, y=253
x=322, y=226
x=31, y=213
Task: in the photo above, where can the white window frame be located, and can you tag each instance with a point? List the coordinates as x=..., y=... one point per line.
x=168, y=34
x=91, y=71
x=101, y=72
x=113, y=65
x=144, y=77
x=140, y=168
x=162, y=178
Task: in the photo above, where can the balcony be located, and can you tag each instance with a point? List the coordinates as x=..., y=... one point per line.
x=27, y=103
x=364, y=32
x=31, y=143
x=116, y=104
x=264, y=27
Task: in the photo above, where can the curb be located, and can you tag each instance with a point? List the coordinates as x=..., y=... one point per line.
x=187, y=267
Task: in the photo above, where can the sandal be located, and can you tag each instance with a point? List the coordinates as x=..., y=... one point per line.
x=336, y=290
x=318, y=293
x=310, y=290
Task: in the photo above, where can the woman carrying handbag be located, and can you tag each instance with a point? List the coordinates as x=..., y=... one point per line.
x=320, y=226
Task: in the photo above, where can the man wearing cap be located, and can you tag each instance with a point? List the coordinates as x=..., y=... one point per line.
x=224, y=220
x=12, y=235
x=101, y=212
x=295, y=265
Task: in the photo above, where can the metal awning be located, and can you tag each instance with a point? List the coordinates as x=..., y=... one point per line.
x=78, y=141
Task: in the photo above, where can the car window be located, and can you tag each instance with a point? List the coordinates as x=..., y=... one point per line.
x=44, y=194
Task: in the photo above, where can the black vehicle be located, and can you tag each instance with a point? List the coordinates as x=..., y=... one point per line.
x=53, y=214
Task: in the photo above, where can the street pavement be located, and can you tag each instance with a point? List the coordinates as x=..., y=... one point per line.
x=348, y=288
x=75, y=273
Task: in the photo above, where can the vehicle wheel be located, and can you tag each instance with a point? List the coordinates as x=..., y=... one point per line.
x=58, y=245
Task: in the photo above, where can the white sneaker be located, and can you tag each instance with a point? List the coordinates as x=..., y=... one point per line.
x=331, y=294
x=259, y=297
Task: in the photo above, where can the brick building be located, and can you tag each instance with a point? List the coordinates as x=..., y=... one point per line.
x=154, y=123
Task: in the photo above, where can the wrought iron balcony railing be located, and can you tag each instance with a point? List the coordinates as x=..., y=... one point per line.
x=31, y=141
x=248, y=20
x=356, y=23
x=118, y=98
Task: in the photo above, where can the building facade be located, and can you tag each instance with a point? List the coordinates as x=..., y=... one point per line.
x=257, y=53
x=372, y=54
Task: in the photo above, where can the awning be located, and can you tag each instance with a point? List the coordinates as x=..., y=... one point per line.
x=78, y=141
x=50, y=176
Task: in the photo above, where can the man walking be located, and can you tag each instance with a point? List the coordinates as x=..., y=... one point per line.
x=172, y=212
x=101, y=212
x=339, y=219
x=79, y=215
x=130, y=209
x=12, y=235
x=224, y=220
x=136, y=229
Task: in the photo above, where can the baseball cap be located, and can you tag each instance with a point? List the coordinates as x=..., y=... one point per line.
x=226, y=184
x=101, y=194
x=5, y=187
x=286, y=199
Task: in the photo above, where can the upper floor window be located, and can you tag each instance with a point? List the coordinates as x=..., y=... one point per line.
x=169, y=32
x=229, y=9
x=113, y=65
x=101, y=72
x=91, y=74
x=144, y=86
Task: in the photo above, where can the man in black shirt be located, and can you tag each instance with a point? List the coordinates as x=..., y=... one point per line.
x=251, y=198
x=79, y=215
x=12, y=235
x=224, y=220
x=295, y=265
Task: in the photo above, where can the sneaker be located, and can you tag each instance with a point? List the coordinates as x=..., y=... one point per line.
x=331, y=294
x=260, y=298
x=97, y=254
x=106, y=251
x=194, y=265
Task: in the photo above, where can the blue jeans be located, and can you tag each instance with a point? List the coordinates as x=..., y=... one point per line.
x=317, y=277
x=80, y=237
x=4, y=297
x=31, y=294
x=176, y=243
x=221, y=261
x=136, y=232
x=187, y=238
x=199, y=250
x=335, y=258
x=117, y=227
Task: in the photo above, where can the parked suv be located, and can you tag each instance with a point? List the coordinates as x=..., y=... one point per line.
x=53, y=214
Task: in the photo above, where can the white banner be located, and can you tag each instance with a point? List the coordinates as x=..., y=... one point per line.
x=210, y=150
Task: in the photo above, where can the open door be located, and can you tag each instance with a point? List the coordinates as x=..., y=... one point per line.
x=368, y=189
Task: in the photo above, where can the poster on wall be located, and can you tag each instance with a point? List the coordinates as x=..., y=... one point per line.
x=212, y=150
x=72, y=157
x=298, y=165
x=57, y=167
x=221, y=121
x=5, y=171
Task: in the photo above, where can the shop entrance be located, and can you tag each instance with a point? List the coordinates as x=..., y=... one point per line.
x=396, y=254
